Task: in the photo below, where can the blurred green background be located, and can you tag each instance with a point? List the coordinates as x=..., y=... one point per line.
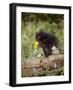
x=32, y=23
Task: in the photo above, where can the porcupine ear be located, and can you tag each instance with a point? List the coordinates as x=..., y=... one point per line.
x=38, y=35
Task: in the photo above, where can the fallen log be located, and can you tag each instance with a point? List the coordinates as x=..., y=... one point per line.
x=38, y=66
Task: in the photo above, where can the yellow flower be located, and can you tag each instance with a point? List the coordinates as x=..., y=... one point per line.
x=36, y=43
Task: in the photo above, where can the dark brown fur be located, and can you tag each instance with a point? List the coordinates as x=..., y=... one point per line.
x=46, y=42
